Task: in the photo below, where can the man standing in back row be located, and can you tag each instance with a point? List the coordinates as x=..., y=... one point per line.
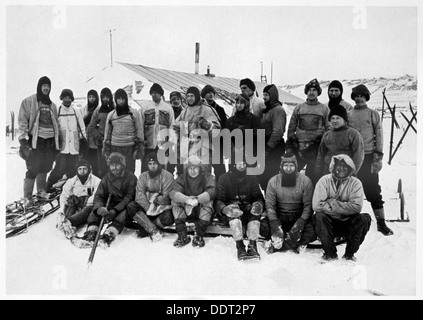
x=367, y=121
x=39, y=136
x=308, y=123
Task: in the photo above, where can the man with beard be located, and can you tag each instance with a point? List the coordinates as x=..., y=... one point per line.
x=240, y=202
x=368, y=122
x=92, y=103
x=208, y=94
x=97, y=126
x=175, y=99
x=157, y=118
x=119, y=184
x=71, y=130
x=337, y=201
x=288, y=208
x=274, y=123
x=340, y=140
x=335, y=91
x=197, y=115
x=308, y=123
x=152, y=208
x=76, y=199
x=257, y=105
x=124, y=132
x=38, y=137
x=192, y=197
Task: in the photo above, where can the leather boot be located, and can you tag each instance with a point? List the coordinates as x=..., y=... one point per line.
x=242, y=254
x=381, y=224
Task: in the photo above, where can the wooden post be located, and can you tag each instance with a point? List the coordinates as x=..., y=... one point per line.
x=392, y=133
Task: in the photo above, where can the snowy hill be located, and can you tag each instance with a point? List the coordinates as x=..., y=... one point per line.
x=400, y=91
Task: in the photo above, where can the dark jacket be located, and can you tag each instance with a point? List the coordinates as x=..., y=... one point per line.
x=122, y=190
x=221, y=113
x=231, y=190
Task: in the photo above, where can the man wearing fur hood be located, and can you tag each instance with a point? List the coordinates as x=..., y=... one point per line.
x=192, y=197
x=338, y=200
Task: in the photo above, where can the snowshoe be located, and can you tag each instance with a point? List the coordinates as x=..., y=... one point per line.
x=106, y=240
x=182, y=241
x=156, y=236
x=198, y=241
x=65, y=226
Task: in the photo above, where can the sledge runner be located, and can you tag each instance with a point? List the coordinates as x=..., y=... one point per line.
x=120, y=183
x=240, y=204
x=38, y=137
x=289, y=208
x=337, y=201
x=76, y=199
x=152, y=208
x=192, y=197
x=368, y=123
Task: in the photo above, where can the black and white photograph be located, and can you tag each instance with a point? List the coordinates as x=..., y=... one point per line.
x=221, y=151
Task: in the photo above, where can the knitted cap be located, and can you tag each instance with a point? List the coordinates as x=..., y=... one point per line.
x=196, y=92
x=339, y=111
x=116, y=158
x=83, y=163
x=207, y=89
x=361, y=90
x=67, y=93
x=313, y=84
x=175, y=94
x=157, y=88
x=249, y=83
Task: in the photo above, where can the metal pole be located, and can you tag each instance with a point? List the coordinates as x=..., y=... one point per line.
x=111, y=47
x=392, y=134
x=383, y=104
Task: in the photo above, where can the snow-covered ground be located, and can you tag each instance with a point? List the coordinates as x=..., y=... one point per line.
x=43, y=262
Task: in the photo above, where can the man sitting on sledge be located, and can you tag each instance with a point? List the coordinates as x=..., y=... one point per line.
x=240, y=204
x=76, y=199
x=288, y=208
x=192, y=197
x=338, y=200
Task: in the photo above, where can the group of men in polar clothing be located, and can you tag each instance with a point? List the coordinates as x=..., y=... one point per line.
x=321, y=138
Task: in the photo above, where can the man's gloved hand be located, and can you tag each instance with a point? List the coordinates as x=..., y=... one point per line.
x=103, y=212
x=24, y=149
x=376, y=163
x=232, y=211
x=72, y=201
x=294, y=235
x=192, y=202
x=257, y=208
x=277, y=234
x=204, y=124
x=139, y=151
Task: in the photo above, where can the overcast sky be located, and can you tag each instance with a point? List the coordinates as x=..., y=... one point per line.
x=71, y=43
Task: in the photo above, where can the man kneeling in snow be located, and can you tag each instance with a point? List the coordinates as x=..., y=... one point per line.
x=119, y=184
x=337, y=201
x=76, y=199
x=152, y=208
x=193, y=194
x=288, y=208
x=240, y=201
